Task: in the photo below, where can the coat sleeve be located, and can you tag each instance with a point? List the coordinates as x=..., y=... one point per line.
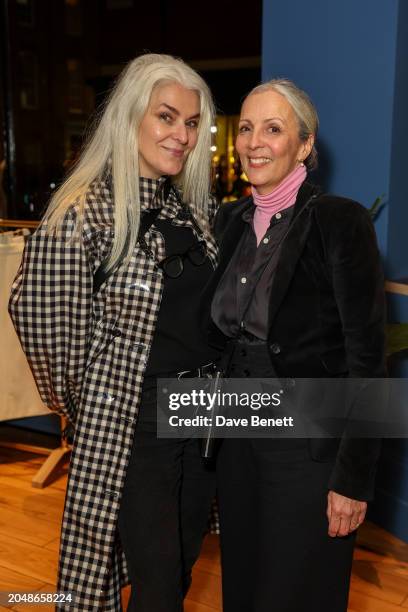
x=213, y=206
x=358, y=284
x=51, y=309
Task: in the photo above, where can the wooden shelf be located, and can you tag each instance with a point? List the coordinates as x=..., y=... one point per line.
x=19, y=223
x=398, y=286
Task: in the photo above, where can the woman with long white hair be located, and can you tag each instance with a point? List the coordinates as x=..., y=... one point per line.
x=105, y=302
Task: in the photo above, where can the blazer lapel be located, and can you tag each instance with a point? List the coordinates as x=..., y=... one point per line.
x=231, y=236
x=292, y=246
x=228, y=239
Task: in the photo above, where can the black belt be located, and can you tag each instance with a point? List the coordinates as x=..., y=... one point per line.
x=245, y=337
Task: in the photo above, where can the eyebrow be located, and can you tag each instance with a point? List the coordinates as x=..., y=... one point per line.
x=265, y=120
x=176, y=112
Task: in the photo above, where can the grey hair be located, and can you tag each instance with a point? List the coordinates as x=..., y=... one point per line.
x=113, y=149
x=303, y=108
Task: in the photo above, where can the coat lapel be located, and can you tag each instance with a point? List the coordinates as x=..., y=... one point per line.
x=232, y=235
x=292, y=247
x=229, y=239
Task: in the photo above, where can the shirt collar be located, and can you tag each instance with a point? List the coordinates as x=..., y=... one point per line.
x=248, y=214
x=153, y=192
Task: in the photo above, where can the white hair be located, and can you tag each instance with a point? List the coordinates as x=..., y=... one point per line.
x=303, y=108
x=112, y=149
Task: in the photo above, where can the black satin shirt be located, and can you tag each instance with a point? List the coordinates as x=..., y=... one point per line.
x=241, y=300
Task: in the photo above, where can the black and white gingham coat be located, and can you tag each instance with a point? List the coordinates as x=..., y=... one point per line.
x=88, y=355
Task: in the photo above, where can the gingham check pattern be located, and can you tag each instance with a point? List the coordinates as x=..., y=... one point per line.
x=88, y=355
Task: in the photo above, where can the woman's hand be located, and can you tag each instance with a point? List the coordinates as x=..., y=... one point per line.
x=344, y=514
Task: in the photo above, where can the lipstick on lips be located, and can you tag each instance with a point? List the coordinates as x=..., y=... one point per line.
x=179, y=153
x=258, y=162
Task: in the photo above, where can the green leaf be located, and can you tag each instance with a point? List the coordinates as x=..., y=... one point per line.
x=376, y=206
x=397, y=338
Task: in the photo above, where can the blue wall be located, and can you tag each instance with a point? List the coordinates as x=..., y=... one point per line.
x=397, y=251
x=343, y=55
x=352, y=59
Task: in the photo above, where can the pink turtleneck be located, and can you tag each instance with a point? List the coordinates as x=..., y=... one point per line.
x=283, y=196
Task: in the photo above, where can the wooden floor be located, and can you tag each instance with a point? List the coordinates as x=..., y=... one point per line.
x=29, y=528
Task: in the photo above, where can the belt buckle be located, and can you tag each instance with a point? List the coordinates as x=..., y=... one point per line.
x=181, y=374
x=207, y=371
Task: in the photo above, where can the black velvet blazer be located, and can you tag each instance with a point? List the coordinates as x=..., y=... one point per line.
x=326, y=312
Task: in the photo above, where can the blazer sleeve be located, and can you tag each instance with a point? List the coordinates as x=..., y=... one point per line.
x=51, y=309
x=358, y=284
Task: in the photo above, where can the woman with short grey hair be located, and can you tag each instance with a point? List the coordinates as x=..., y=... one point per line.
x=298, y=293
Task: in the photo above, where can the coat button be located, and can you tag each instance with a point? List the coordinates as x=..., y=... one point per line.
x=117, y=333
x=113, y=495
x=128, y=419
x=107, y=397
x=275, y=348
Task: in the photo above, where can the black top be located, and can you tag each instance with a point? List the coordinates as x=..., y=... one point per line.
x=241, y=301
x=179, y=343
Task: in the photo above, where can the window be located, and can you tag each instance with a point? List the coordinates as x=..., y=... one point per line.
x=28, y=80
x=25, y=12
x=75, y=86
x=73, y=17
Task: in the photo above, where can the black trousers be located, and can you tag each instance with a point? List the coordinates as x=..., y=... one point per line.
x=164, y=514
x=276, y=553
